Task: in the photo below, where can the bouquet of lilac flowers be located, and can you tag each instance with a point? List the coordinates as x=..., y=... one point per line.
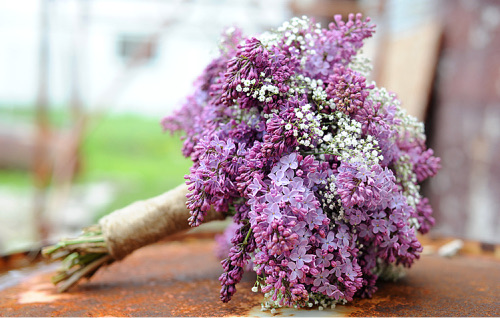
x=319, y=169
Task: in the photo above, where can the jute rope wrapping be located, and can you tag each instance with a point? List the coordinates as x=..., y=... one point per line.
x=146, y=222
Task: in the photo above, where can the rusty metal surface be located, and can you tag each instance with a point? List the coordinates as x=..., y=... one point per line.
x=179, y=278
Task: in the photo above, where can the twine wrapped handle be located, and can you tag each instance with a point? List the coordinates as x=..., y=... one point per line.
x=146, y=222
x=120, y=233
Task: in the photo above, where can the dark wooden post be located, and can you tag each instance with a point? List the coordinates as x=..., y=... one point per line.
x=41, y=162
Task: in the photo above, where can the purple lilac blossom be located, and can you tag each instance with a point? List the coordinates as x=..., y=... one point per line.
x=318, y=168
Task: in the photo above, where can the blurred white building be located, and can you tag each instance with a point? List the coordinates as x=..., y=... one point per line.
x=91, y=42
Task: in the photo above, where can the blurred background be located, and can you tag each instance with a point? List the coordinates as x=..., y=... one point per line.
x=85, y=83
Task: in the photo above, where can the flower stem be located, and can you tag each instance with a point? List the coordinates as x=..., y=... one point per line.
x=81, y=257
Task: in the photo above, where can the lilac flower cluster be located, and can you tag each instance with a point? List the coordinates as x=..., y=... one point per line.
x=319, y=169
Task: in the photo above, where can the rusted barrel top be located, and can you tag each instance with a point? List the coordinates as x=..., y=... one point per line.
x=180, y=278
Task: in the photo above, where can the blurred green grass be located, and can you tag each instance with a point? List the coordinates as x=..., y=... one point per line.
x=133, y=153
x=130, y=152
